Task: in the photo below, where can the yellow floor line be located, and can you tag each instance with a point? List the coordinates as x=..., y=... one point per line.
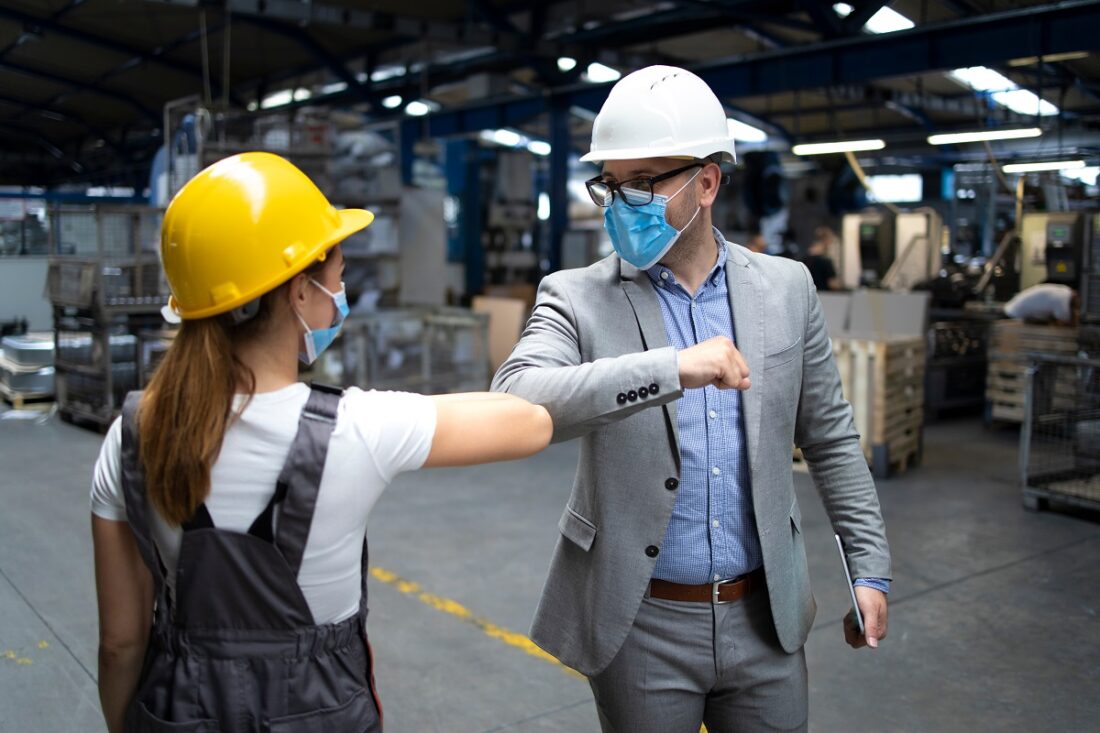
x=456, y=609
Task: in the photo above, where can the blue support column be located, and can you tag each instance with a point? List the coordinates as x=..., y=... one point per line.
x=410, y=133
x=560, y=146
x=470, y=222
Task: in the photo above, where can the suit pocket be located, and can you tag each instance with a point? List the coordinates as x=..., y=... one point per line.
x=783, y=356
x=357, y=714
x=577, y=529
x=143, y=721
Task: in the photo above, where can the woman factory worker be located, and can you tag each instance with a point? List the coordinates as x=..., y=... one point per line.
x=230, y=501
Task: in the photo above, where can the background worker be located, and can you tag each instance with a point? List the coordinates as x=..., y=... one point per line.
x=688, y=366
x=230, y=501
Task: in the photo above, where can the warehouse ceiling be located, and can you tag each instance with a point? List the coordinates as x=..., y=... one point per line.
x=83, y=83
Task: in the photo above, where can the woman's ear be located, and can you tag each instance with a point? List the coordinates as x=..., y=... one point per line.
x=297, y=290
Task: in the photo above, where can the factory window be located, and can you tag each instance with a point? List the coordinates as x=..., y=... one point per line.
x=897, y=189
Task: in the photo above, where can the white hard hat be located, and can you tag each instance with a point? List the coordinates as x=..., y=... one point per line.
x=660, y=112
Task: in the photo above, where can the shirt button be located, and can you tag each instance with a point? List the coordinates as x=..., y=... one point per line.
x=713, y=415
x=717, y=576
x=664, y=276
x=716, y=471
x=715, y=524
x=672, y=484
x=652, y=551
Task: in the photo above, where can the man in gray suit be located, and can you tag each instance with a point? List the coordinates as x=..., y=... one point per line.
x=687, y=366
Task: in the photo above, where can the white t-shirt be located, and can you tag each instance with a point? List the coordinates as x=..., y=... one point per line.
x=378, y=435
x=1042, y=302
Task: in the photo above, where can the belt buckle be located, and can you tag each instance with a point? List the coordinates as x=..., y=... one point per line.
x=714, y=592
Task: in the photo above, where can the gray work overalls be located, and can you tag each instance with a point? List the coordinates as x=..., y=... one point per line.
x=236, y=649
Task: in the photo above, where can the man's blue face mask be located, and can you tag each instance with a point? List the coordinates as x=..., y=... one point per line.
x=640, y=234
x=319, y=340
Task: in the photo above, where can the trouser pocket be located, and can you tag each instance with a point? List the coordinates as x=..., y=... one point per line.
x=357, y=715
x=140, y=720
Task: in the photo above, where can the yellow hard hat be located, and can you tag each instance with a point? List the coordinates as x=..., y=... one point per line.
x=243, y=227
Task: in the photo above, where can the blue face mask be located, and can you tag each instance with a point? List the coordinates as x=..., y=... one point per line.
x=319, y=340
x=640, y=234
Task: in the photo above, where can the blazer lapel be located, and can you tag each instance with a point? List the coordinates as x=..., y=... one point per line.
x=651, y=323
x=746, y=293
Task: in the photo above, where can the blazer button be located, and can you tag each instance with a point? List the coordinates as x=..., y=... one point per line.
x=652, y=551
x=643, y=392
x=632, y=396
x=672, y=484
x=653, y=388
x=621, y=399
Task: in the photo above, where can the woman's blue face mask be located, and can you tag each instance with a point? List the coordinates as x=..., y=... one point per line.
x=640, y=234
x=317, y=341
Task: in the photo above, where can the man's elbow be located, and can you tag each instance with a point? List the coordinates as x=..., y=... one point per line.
x=118, y=649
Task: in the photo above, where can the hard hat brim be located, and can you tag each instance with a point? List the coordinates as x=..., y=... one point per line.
x=351, y=221
x=678, y=151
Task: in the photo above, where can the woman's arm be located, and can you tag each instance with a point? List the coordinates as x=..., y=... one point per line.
x=483, y=427
x=124, y=589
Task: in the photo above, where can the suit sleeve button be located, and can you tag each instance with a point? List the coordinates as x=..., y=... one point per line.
x=643, y=392
x=621, y=399
x=632, y=396
x=652, y=551
x=654, y=389
x=672, y=484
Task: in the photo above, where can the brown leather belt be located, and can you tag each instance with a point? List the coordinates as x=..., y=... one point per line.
x=721, y=592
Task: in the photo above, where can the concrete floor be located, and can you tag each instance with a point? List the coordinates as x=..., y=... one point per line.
x=993, y=613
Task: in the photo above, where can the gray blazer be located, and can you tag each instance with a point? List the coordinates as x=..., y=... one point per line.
x=596, y=333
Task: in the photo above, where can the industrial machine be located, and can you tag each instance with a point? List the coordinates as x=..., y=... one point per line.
x=896, y=252
x=1052, y=248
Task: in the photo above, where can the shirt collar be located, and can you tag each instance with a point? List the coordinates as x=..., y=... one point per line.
x=658, y=271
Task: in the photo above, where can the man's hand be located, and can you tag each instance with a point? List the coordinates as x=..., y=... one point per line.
x=715, y=361
x=872, y=604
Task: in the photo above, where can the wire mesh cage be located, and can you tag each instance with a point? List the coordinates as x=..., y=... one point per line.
x=1060, y=440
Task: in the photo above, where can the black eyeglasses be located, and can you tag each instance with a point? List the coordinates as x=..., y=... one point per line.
x=635, y=192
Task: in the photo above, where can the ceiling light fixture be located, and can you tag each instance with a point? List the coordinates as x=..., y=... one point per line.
x=955, y=138
x=847, y=146
x=1050, y=165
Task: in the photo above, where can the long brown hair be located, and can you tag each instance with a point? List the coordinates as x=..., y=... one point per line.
x=188, y=405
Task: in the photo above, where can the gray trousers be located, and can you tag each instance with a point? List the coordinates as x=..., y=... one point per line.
x=684, y=664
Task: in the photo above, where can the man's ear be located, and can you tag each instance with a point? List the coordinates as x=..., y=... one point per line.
x=711, y=178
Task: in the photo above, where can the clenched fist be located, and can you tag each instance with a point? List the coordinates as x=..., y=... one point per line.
x=715, y=361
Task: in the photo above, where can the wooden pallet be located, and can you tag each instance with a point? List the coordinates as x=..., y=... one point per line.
x=24, y=400
x=1010, y=345
x=883, y=379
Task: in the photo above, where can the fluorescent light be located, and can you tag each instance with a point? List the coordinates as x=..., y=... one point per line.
x=1003, y=90
x=544, y=206
x=1052, y=165
x=904, y=188
x=389, y=72
x=838, y=147
x=392, y=102
x=884, y=21
x=743, y=133
x=598, y=73
x=277, y=99
x=302, y=94
x=417, y=108
x=507, y=138
x=565, y=63
x=955, y=138
x=1051, y=59
x=539, y=147
x=334, y=88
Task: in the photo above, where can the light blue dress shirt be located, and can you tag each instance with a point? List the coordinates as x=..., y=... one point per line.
x=712, y=532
